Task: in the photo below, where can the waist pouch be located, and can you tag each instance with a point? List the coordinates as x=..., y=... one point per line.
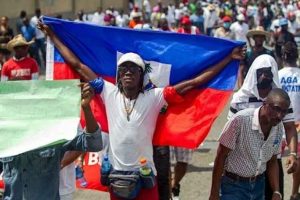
x=125, y=184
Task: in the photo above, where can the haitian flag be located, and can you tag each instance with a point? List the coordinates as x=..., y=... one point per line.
x=173, y=58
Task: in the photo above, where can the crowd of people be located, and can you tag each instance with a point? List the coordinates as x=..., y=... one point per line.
x=270, y=30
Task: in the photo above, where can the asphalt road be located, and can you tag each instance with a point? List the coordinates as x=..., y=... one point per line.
x=196, y=184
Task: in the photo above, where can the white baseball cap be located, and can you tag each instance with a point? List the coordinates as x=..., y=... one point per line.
x=240, y=17
x=132, y=57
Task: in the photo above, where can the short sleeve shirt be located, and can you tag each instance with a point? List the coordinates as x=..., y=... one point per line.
x=131, y=140
x=249, y=151
x=289, y=78
x=20, y=69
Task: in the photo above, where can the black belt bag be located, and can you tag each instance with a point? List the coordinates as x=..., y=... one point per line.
x=125, y=184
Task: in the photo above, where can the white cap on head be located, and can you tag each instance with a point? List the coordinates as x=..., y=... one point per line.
x=240, y=17
x=132, y=57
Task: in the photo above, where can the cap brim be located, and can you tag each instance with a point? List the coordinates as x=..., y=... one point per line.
x=255, y=32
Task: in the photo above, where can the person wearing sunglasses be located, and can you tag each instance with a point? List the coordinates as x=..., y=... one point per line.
x=261, y=78
x=248, y=149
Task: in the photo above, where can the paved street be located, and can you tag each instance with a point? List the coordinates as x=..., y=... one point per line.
x=196, y=184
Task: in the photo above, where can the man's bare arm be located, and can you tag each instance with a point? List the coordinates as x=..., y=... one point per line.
x=70, y=58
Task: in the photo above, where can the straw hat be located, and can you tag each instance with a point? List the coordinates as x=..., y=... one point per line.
x=17, y=41
x=258, y=31
x=211, y=7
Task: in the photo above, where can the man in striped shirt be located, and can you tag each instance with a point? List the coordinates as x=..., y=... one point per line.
x=249, y=144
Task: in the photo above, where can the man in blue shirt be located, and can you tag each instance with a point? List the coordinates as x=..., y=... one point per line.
x=29, y=34
x=34, y=175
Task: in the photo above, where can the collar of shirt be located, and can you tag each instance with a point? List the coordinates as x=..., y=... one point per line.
x=16, y=59
x=255, y=121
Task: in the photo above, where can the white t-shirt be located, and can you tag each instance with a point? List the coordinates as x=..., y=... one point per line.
x=122, y=21
x=38, y=33
x=289, y=78
x=98, y=18
x=131, y=140
x=239, y=31
x=293, y=26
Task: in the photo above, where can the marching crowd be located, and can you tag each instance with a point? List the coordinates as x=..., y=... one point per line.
x=261, y=116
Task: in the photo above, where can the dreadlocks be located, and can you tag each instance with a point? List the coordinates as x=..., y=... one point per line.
x=290, y=52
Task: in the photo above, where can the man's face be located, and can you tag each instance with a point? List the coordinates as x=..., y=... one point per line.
x=264, y=78
x=276, y=110
x=259, y=40
x=21, y=51
x=130, y=75
x=186, y=26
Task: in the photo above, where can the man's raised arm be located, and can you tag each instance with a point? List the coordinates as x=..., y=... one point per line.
x=181, y=88
x=70, y=58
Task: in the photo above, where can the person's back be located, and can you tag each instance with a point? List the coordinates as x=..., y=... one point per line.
x=239, y=30
x=19, y=22
x=27, y=30
x=289, y=77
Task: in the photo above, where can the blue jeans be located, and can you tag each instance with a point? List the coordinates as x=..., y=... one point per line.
x=246, y=190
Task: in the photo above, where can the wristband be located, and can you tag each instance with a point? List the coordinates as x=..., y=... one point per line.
x=278, y=193
x=97, y=84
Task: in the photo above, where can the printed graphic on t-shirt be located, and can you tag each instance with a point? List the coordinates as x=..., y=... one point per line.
x=20, y=72
x=290, y=84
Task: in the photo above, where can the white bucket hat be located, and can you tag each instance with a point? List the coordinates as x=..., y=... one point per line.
x=132, y=57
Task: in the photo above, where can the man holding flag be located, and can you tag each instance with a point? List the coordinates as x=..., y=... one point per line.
x=34, y=174
x=131, y=111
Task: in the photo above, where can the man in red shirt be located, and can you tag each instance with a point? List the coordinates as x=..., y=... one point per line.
x=20, y=66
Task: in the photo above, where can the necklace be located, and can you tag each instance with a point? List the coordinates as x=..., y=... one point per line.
x=128, y=108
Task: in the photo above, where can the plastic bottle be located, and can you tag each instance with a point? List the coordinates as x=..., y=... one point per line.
x=80, y=176
x=146, y=173
x=105, y=170
x=105, y=167
x=145, y=170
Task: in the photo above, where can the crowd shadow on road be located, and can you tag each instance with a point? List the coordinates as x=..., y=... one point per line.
x=193, y=168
